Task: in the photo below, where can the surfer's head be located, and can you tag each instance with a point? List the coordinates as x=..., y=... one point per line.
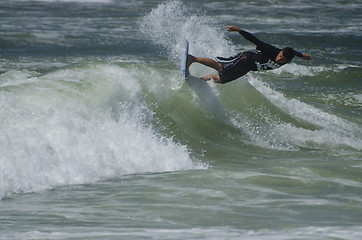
x=285, y=55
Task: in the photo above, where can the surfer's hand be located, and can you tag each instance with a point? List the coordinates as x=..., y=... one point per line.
x=306, y=57
x=232, y=28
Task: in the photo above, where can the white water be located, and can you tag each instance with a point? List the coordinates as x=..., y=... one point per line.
x=332, y=130
x=78, y=125
x=172, y=22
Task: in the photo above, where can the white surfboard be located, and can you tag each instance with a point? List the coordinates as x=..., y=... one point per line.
x=184, y=69
x=208, y=99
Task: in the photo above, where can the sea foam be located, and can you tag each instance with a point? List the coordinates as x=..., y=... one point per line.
x=79, y=125
x=170, y=23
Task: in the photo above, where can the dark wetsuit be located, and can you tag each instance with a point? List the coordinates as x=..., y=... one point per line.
x=240, y=64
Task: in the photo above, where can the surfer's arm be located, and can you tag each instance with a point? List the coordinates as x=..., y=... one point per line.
x=302, y=55
x=260, y=44
x=248, y=36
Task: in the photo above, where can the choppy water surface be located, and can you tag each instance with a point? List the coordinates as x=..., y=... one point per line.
x=101, y=138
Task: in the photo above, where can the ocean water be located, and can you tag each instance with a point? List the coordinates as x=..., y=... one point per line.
x=101, y=138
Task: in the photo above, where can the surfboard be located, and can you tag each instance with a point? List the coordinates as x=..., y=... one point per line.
x=184, y=69
x=208, y=99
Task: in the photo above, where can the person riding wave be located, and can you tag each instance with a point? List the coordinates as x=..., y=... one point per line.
x=266, y=57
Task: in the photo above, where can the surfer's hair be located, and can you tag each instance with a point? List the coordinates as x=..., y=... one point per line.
x=288, y=53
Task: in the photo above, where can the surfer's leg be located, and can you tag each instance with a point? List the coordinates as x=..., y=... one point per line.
x=216, y=78
x=205, y=61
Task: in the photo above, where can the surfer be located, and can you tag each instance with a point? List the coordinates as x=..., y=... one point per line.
x=266, y=57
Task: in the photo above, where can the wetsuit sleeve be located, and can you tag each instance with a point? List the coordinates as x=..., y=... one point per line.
x=260, y=45
x=250, y=37
x=298, y=54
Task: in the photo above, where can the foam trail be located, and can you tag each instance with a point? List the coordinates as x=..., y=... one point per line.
x=332, y=131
